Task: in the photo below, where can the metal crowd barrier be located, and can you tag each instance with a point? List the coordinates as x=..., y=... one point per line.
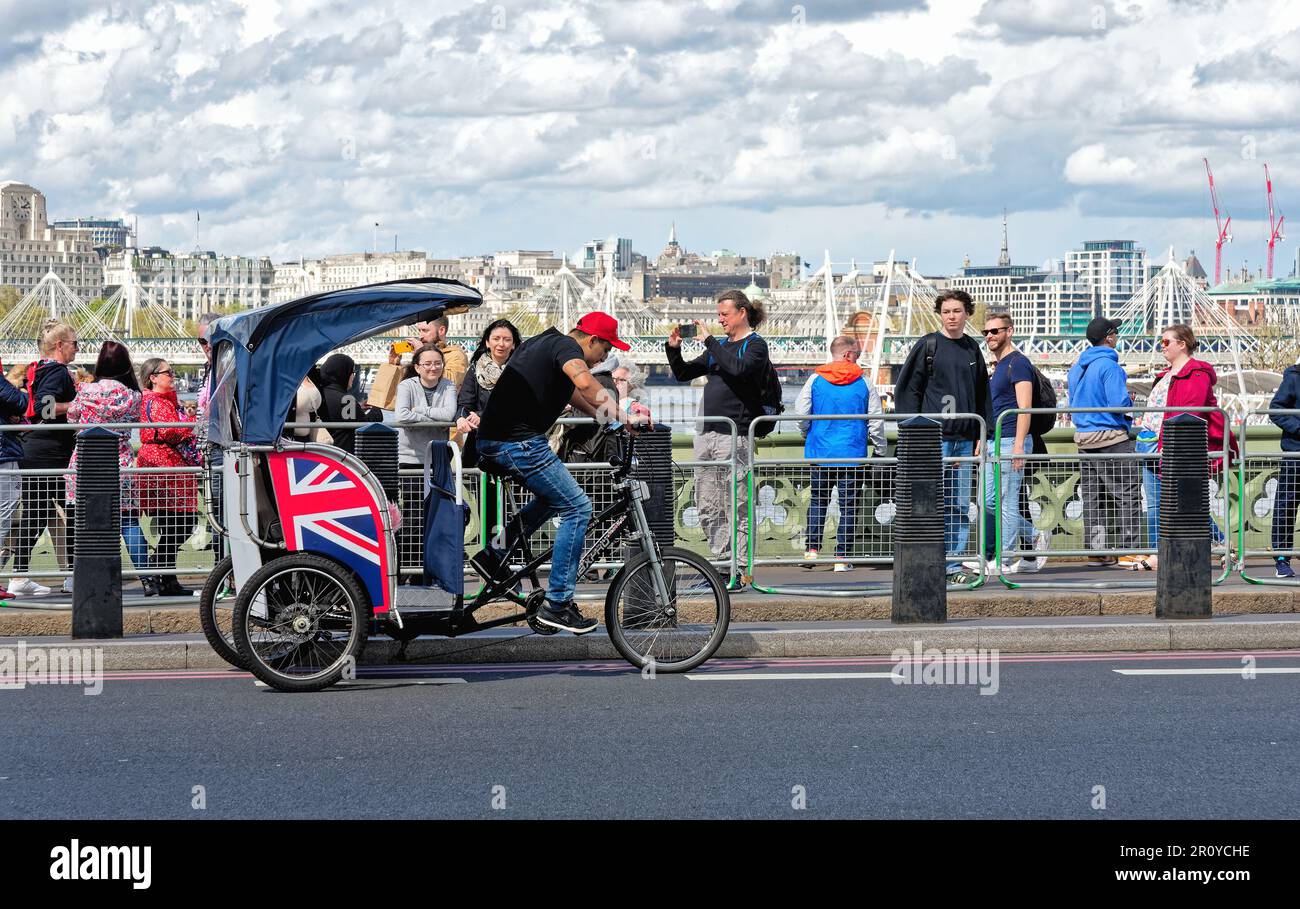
x=164, y=510
x=1126, y=488
x=772, y=528
x=781, y=489
x=1268, y=490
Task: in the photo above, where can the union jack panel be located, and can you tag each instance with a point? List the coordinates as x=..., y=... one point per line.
x=326, y=508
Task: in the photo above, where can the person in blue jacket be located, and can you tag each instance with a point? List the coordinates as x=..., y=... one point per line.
x=1109, y=487
x=13, y=405
x=839, y=387
x=1288, y=476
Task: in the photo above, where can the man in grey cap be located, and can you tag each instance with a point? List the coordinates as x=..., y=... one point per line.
x=1109, y=487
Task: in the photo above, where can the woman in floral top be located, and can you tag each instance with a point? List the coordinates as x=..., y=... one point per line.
x=169, y=499
x=113, y=396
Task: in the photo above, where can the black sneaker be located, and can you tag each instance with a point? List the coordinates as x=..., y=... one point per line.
x=1282, y=569
x=564, y=616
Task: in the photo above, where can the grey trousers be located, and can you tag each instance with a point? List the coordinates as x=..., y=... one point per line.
x=11, y=491
x=1112, y=498
x=713, y=493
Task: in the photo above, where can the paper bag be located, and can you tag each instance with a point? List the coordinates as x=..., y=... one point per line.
x=383, y=393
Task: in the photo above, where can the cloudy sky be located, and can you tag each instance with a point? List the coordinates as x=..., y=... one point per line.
x=758, y=125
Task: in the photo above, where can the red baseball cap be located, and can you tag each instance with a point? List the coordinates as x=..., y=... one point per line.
x=603, y=326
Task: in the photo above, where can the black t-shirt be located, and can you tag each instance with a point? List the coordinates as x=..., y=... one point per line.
x=533, y=389
x=52, y=384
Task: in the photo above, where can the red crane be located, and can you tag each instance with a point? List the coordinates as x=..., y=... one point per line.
x=1220, y=225
x=1274, y=229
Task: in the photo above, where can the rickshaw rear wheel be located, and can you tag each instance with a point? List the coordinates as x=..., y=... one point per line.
x=310, y=624
x=217, y=610
x=676, y=636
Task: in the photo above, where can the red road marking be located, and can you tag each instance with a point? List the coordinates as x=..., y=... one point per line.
x=717, y=664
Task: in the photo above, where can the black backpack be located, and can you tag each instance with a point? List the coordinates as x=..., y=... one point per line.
x=1040, y=424
x=769, y=398
x=1044, y=394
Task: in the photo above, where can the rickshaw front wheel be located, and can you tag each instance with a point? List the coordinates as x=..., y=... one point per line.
x=301, y=622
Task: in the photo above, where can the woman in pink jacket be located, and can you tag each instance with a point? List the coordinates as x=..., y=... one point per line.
x=169, y=499
x=1187, y=382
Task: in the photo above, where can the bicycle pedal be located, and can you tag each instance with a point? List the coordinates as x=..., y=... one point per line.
x=539, y=628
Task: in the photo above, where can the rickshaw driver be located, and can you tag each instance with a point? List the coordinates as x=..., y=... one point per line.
x=547, y=372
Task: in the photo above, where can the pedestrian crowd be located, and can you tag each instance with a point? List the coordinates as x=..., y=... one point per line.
x=443, y=394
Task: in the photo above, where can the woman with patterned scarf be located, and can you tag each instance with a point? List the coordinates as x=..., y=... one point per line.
x=499, y=341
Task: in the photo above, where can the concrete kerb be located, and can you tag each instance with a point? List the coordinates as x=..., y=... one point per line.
x=754, y=643
x=17, y=622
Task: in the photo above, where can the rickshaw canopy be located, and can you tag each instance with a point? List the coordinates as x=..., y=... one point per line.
x=274, y=347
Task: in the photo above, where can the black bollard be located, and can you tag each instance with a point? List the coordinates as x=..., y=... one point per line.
x=97, y=566
x=376, y=447
x=1183, y=581
x=920, y=577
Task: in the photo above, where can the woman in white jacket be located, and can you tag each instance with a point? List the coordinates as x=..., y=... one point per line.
x=425, y=397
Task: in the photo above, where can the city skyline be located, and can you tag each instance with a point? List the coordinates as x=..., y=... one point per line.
x=756, y=126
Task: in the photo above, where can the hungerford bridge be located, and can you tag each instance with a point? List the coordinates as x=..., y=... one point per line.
x=801, y=320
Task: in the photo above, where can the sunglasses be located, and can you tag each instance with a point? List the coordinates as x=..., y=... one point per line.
x=1165, y=342
x=163, y=372
x=994, y=331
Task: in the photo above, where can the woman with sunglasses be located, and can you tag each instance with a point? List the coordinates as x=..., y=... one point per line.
x=1187, y=382
x=169, y=499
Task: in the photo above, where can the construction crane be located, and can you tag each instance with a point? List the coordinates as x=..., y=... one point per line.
x=1274, y=229
x=1220, y=225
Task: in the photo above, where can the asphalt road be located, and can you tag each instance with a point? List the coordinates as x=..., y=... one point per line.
x=598, y=740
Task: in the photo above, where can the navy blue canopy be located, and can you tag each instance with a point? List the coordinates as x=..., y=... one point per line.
x=268, y=351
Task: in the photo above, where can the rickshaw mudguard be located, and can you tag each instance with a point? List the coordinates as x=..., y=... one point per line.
x=328, y=508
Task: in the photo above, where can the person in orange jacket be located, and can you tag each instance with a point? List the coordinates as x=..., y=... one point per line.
x=839, y=387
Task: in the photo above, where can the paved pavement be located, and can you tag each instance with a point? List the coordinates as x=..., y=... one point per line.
x=820, y=581
x=741, y=738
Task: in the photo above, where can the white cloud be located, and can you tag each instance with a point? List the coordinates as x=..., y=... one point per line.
x=1090, y=166
x=293, y=124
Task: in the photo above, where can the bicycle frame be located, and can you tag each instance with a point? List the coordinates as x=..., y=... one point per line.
x=628, y=504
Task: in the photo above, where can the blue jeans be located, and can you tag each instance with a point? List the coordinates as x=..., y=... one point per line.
x=1014, y=524
x=956, y=500
x=137, y=547
x=1284, y=506
x=845, y=479
x=555, y=492
x=1151, y=485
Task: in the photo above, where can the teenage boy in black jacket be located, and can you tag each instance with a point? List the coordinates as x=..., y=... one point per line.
x=945, y=373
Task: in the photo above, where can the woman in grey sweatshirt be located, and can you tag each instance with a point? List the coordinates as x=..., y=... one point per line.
x=424, y=397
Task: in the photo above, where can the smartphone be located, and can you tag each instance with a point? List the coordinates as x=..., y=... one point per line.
x=686, y=331
x=403, y=347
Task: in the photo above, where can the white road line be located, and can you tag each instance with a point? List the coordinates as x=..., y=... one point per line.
x=388, y=682
x=1241, y=671
x=782, y=676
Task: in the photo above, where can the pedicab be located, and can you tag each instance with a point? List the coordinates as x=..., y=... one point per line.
x=310, y=527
